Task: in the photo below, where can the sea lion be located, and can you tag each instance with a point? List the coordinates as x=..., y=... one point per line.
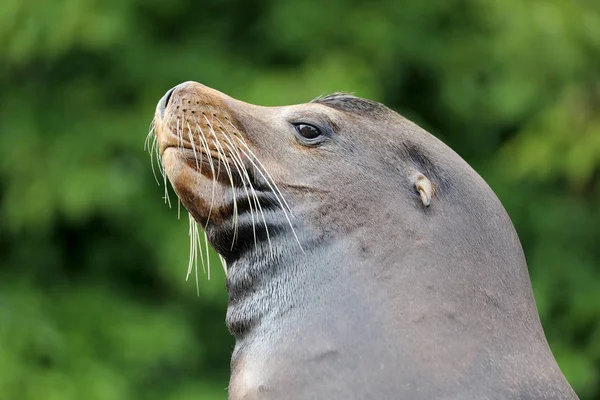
x=366, y=259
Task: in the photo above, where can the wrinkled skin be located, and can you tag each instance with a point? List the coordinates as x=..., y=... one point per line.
x=372, y=294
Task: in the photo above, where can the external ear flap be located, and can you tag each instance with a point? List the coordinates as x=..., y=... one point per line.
x=425, y=189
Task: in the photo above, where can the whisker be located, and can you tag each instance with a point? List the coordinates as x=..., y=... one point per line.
x=220, y=152
x=197, y=241
x=197, y=227
x=223, y=263
x=158, y=155
x=151, y=145
x=198, y=250
x=241, y=140
x=158, y=158
x=151, y=148
x=238, y=162
x=195, y=251
x=207, y=254
x=245, y=178
x=262, y=214
x=270, y=183
x=193, y=261
x=267, y=177
x=151, y=151
x=166, y=197
x=150, y=133
x=179, y=135
x=204, y=143
x=193, y=146
x=212, y=169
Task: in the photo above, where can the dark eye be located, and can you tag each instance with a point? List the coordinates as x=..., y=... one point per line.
x=307, y=131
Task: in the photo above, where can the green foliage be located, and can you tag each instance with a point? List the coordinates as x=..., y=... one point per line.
x=93, y=298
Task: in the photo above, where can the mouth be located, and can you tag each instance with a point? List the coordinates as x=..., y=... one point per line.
x=218, y=167
x=214, y=167
x=229, y=204
x=241, y=187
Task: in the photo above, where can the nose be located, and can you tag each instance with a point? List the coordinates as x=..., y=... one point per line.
x=162, y=104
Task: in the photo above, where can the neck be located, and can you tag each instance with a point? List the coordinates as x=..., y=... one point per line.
x=264, y=283
x=359, y=307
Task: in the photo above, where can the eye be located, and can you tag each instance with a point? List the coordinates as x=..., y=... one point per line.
x=307, y=131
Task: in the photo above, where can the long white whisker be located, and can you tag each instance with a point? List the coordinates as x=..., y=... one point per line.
x=179, y=135
x=268, y=175
x=268, y=182
x=207, y=254
x=191, y=137
x=245, y=178
x=197, y=241
x=152, y=148
x=242, y=171
x=150, y=133
x=220, y=152
x=223, y=263
x=151, y=151
x=268, y=179
x=212, y=169
x=159, y=162
x=166, y=198
x=193, y=252
x=262, y=214
x=151, y=145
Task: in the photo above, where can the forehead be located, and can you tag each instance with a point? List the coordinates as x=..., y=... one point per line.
x=351, y=104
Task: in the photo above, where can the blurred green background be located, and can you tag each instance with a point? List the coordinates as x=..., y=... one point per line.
x=93, y=298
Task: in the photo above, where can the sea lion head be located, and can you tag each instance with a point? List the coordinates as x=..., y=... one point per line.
x=248, y=173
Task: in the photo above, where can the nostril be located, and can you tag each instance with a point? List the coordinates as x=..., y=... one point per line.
x=165, y=100
x=168, y=96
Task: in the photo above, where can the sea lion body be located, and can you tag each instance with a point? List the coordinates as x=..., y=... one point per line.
x=347, y=279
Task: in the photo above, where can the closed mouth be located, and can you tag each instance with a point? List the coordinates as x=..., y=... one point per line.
x=210, y=166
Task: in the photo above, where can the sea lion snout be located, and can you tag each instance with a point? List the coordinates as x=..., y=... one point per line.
x=164, y=101
x=189, y=108
x=213, y=166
